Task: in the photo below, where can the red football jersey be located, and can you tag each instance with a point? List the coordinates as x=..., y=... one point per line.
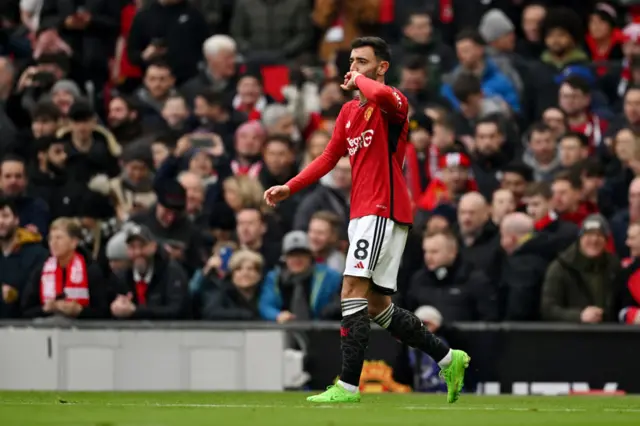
x=374, y=135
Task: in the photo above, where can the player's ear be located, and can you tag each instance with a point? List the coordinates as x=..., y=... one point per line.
x=383, y=67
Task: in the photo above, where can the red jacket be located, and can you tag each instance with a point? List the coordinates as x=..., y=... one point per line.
x=437, y=193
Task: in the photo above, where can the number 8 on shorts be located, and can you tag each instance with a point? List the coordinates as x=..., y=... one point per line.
x=376, y=245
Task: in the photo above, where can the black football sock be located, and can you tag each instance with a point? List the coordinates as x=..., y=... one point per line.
x=406, y=327
x=354, y=339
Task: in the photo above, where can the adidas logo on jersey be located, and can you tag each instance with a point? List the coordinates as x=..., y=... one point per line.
x=359, y=265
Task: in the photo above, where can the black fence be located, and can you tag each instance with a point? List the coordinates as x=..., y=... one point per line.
x=506, y=358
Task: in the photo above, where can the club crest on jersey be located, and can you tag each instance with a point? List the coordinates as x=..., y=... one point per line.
x=367, y=113
x=361, y=141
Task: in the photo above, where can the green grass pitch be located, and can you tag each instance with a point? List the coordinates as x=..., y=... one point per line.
x=289, y=409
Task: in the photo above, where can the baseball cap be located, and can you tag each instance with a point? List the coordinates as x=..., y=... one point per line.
x=421, y=121
x=138, y=232
x=295, y=241
x=576, y=70
x=595, y=222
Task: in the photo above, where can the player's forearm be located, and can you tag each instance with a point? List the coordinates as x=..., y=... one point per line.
x=376, y=92
x=313, y=172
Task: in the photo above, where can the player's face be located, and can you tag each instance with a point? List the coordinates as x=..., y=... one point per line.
x=364, y=61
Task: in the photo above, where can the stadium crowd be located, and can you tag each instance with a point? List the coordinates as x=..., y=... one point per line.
x=137, y=139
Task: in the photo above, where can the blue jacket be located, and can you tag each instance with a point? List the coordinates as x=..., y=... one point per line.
x=325, y=285
x=494, y=83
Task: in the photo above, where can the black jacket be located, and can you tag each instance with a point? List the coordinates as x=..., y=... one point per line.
x=222, y=301
x=322, y=198
x=102, y=157
x=167, y=294
x=462, y=294
x=484, y=253
x=99, y=292
x=553, y=239
x=182, y=29
x=521, y=279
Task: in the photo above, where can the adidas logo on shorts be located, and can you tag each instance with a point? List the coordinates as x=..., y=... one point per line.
x=359, y=265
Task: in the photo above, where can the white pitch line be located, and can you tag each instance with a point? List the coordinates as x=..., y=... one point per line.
x=324, y=406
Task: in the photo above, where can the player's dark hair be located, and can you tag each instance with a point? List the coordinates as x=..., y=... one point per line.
x=570, y=176
x=564, y=19
x=578, y=83
x=542, y=189
x=45, y=111
x=519, y=168
x=6, y=202
x=415, y=63
x=280, y=138
x=380, y=47
x=471, y=35
x=581, y=137
x=465, y=86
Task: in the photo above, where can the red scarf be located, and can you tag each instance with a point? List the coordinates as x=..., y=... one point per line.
x=75, y=287
x=251, y=170
x=141, y=291
x=617, y=37
x=546, y=221
x=584, y=209
x=593, y=128
x=633, y=284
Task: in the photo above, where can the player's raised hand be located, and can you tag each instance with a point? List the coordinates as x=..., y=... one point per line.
x=350, y=80
x=275, y=194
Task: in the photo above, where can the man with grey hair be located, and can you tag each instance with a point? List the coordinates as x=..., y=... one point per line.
x=523, y=269
x=219, y=71
x=278, y=120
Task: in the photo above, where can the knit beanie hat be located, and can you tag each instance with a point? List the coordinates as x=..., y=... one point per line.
x=495, y=24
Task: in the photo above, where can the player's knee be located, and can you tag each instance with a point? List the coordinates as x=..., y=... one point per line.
x=377, y=303
x=354, y=288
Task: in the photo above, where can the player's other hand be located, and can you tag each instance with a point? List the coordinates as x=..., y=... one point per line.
x=275, y=194
x=350, y=80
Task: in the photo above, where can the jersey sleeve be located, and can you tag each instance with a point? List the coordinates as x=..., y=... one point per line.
x=322, y=165
x=391, y=101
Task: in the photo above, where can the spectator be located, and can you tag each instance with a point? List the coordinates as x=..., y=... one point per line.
x=278, y=120
x=542, y=153
x=622, y=220
x=450, y=284
x=132, y=191
x=617, y=82
x=195, y=209
x=574, y=148
x=630, y=118
x=316, y=143
x=604, y=39
x=250, y=98
x=471, y=54
x=334, y=195
x=515, y=178
x=562, y=33
x=421, y=39
x=479, y=243
x=442, y=218
x=124, y=120
x=169, y=29
x=579, y=284
x=556, y=119
x=567, y=198
x=236, y=298
x=167, y=220
x=491, y=153
x=216, y=116
x=531, y=45
x=454, y=181
x=68, y=283
x=154, y=286
x=98, y=224
x=22, y=252
x=249, y=141
x=116, y=253
x=45, y=119
x=176, y=115
x=63, y=94
x=219, y=74
x=420, y=155
x=157, y=87
x=271, y=32
x=91, y=149
x=90, y=31
x=502, y=203
x=324, y=235
x=251, y=230
x=575, y=100
x=592, y=176
x=498, y=32
x=32, y=211
x=557, y=233
x=301, y=290
x=522, y=271
x=413, y=82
